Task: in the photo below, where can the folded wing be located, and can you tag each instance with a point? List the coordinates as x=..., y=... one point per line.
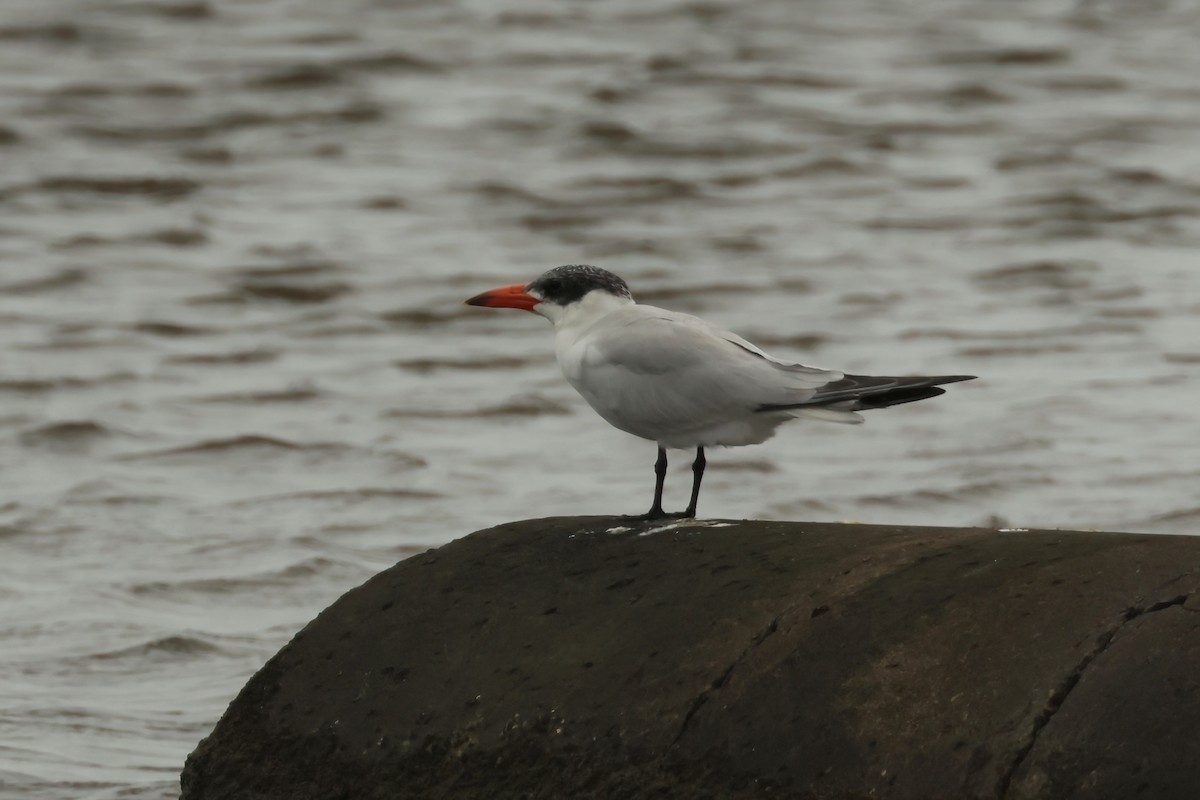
x=649, y=371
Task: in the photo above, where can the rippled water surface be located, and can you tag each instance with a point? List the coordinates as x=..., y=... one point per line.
x=236, y=378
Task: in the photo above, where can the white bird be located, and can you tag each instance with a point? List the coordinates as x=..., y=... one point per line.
x=676, y=380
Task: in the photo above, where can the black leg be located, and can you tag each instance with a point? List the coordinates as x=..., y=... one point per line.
x=697, y=476
x=660, y=476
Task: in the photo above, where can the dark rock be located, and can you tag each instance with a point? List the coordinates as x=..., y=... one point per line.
x=551, y=658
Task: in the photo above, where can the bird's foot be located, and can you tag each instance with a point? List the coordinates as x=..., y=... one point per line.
x=658, y=513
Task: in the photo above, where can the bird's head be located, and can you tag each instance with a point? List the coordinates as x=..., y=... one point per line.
x=560, y=292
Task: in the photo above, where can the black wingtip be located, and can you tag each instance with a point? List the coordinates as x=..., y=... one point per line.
x=863, y=392
x=919, y=389
x=940, y=379
x=898, y=397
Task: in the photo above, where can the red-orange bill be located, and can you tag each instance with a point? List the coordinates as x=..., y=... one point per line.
x=513, y=296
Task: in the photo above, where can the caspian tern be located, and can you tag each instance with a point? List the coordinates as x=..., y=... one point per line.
x=677, y=380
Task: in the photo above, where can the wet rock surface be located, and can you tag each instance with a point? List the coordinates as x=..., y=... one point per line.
x=601, y=658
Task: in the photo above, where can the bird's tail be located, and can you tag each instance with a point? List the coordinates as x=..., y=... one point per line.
x=864, y=392
x=828, y=415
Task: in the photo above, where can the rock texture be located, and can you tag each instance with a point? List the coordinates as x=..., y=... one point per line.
x=562, y=658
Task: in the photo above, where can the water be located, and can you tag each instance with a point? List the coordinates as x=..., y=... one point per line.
x=235, y=374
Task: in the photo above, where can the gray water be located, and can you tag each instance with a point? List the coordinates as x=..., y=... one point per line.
x=236, y=378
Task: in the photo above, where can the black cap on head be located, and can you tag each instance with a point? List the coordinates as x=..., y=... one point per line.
x=564, y=285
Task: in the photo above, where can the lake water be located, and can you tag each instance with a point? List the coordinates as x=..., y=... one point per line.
x=236, y=377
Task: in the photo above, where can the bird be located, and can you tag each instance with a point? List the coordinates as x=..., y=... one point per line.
x=676, y=380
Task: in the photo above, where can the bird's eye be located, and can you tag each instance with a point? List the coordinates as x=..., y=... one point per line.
x=551, y=287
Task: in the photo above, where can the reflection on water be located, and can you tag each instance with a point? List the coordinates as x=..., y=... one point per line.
x=236, y=377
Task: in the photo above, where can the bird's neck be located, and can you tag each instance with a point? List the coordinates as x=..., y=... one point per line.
x=573, y=320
